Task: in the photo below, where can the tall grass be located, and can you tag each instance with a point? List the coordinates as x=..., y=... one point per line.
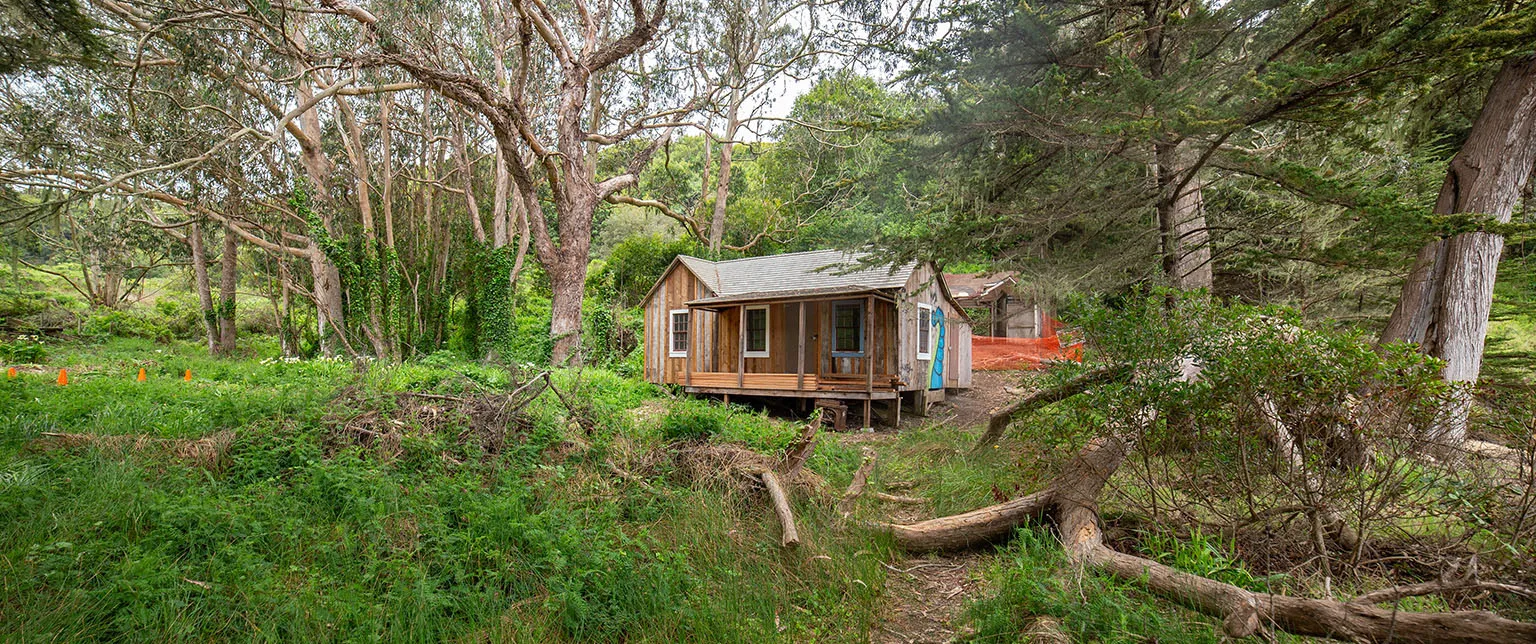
x=294, y=539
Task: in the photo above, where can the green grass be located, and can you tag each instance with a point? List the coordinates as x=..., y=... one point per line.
x=294, y=539
x=1034, y=578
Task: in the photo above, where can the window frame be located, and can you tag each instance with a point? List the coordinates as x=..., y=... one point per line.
x=924, y=332
x=747, y=331
x=672, y=351
x=862, y=321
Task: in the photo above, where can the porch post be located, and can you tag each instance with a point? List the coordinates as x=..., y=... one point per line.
x=869, y=346
x=800, y=355
x=741, y=352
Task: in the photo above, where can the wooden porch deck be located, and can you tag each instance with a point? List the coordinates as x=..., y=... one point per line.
x=792, y=385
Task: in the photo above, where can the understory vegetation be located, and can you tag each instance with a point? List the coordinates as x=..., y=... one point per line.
x=306, y=528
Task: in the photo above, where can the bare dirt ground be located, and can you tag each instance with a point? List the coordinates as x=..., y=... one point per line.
x=927, y=595
x=971, y=407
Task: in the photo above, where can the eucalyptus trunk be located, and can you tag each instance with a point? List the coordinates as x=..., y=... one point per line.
x=204, y=291
x=228, y=282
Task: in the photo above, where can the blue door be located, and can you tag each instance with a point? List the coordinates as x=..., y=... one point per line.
x=936, y=366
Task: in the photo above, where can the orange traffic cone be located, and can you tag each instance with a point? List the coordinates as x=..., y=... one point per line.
x=188, y=377
x=142, y=377
x=63, y=378
x=10, y=373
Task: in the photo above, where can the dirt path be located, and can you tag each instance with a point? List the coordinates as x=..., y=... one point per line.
x=926, y=596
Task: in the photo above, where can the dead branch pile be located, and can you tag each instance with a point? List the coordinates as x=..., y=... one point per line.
x=207, y=452
x=741, y=471
x=737, y=469
x=486, y=421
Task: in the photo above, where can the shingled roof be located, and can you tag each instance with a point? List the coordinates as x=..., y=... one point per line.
x=825, y=271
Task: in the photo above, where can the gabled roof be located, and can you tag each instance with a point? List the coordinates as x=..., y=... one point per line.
x=979, y=286
x=816, y=269
x=792, y=275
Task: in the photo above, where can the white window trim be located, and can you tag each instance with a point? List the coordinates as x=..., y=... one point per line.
x=921, y=354
x=767, y=331
x=672, y=351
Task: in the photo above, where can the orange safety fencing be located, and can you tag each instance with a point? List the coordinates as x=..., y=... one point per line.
x=1009, y=354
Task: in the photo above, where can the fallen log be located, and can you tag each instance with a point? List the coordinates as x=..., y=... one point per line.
x=857, y=485
x=791, y=536
x=1396, y=593
x=629, y=476
x=1072, y=498
x=1000, y=420
x=803, y=446
x=971, y=528
x=1046, y=630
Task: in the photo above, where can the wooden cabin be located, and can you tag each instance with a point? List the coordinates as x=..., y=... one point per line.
x=814, y=325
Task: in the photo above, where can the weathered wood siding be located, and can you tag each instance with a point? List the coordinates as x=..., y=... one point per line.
x=892, y=343
x=923, y=288
x=783, y=341
x=679, y=285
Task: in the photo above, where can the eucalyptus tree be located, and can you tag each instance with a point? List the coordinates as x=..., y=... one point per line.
x=745, y=52
x=560, y=56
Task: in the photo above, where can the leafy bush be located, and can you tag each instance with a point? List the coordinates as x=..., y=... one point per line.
x=25, y=348
x=637, y=262
x=693, y=419
x=126, y=323
x=37, y=312
x=183, y=317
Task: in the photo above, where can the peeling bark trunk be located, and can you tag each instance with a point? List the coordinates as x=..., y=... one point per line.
x=723, y=184
x=204, y=291
x=1446, y=300
x=229, y=280
x=330, y=321
x=567, y=277
x=467, y=170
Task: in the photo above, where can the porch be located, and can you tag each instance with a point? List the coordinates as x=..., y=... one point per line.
x=793, y=385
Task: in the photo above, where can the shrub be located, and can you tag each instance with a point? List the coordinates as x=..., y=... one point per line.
x=693, y=419
x=182, y=316
x=126, y=323
x=36, y=312
x=25, y=348
x=637, y=262
x=1037, y=580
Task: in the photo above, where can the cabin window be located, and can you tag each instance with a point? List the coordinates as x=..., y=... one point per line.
x=848, y=328
x=924, y=332
x=757, y=331
x=679, y=329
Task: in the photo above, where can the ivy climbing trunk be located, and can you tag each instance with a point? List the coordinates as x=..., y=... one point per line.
x=1447, y=297
x=229, y=280
x=204, y=294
